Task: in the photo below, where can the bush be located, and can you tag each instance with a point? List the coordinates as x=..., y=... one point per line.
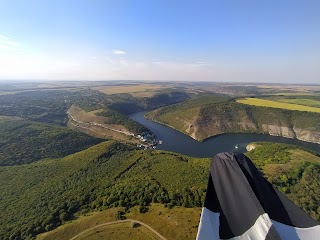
x=134, y=224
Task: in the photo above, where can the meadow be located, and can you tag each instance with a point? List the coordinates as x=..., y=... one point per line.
x=301, y=101
x=171, y=223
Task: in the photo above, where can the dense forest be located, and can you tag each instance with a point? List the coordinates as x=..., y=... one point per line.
x=43, y=195
x=25, y=142
x=43, y=106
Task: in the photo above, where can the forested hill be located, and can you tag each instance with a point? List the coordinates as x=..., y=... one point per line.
x=42, y=106
x=42, y=195
x=24, y=141
x=208, y=116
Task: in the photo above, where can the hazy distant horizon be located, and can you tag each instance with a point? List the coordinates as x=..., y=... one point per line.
x=219, y=41
x=155, y=81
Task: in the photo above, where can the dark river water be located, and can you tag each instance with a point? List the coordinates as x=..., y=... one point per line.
x=176, y=141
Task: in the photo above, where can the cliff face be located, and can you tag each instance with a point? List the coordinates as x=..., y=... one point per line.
x=307, y=135
x=249, y=126
x=292, y=132
x=229, y=117
x=207, y=130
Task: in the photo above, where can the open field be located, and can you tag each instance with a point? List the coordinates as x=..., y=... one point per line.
x=7, y=93
x=302, y=101
x=9, y=118
x=276, y=104
x=46, y=85
x=289, y=89
x=175, y=223
x=118, y=231
x=141, y=90
x=294, y=94
x=73, y=228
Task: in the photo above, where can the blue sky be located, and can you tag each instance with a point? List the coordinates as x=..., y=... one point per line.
x=224, y=40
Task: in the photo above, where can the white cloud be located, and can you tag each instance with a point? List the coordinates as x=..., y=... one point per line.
x=118, y=52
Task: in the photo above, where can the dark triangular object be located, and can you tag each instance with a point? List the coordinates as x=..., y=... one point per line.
x=241, y=204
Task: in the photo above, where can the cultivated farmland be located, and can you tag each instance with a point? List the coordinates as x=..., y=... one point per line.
x=276, y=104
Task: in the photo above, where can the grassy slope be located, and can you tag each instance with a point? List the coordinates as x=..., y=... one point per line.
x=175, y=223
x=72, y=228
x=276, y=104
x=119, y=231
x=24, y=141
x=209, y=116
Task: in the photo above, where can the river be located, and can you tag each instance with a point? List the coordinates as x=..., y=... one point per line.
x=175, y=141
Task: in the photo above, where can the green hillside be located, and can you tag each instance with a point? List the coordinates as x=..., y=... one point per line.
x=204, y=117
x=40, y=196
x=115, y=117
x=25, y=142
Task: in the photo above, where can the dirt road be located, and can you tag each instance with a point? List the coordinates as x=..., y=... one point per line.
x=119, y=221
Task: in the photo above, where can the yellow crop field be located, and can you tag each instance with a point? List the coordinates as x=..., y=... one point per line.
x=275, y=104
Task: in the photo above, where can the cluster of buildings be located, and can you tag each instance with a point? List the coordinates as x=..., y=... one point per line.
x=149, y=140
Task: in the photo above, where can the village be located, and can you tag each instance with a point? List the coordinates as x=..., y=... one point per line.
x=149, y=140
